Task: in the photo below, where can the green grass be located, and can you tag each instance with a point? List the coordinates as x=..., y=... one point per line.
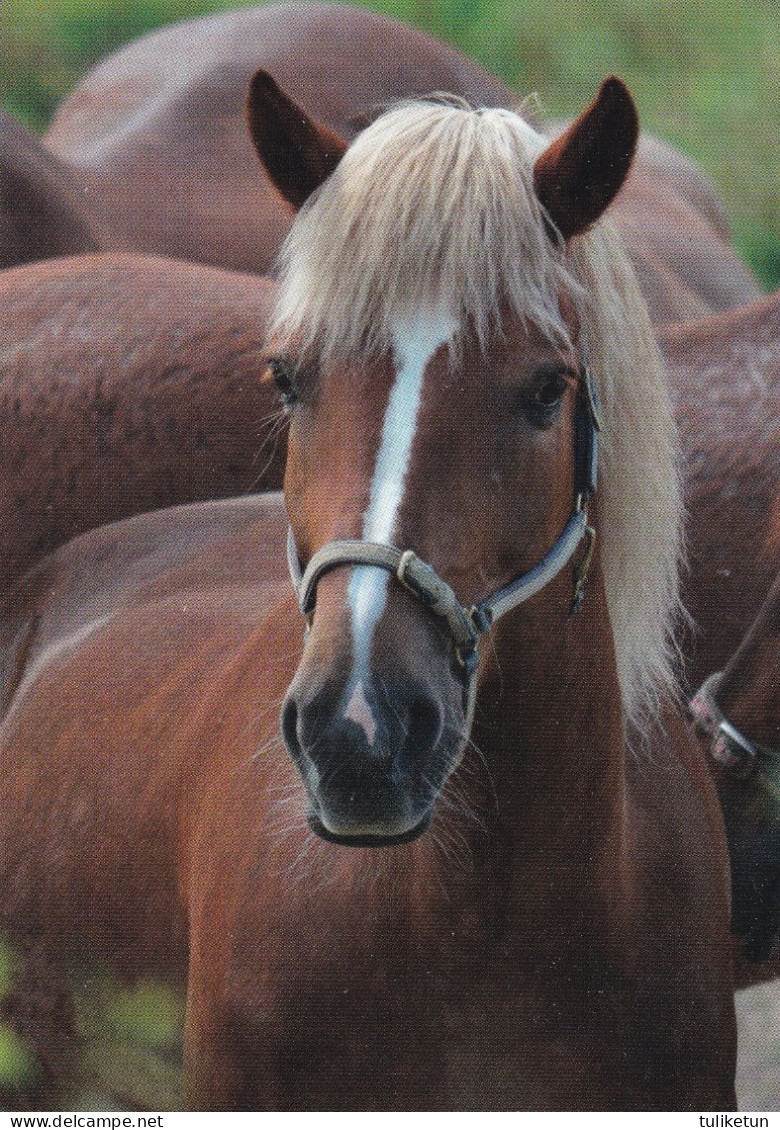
x=704, y=74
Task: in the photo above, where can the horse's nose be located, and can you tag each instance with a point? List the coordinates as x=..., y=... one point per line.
x=368, y=756
x=394, y=728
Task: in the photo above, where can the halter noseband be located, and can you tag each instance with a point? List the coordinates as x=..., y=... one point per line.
x=423, y=582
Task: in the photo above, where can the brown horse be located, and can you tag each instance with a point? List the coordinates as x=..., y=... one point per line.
x=157, y=132
x=724, y=373
x=43, y=211
x=724, y=378
x=457, y=887
x=127, y=383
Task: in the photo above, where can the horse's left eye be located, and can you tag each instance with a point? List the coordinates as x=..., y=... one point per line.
x=545, y=395
x=550, y=391
x=283, y=373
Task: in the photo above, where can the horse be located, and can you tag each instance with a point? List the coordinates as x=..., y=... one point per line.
x=127, y=383
x=43, y=212
x=477, y=862
x=157, y=132
x=723, y=373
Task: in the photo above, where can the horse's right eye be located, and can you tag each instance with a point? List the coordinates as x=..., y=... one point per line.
x=283, y=373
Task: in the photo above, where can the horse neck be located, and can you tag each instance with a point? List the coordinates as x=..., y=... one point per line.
x=549, y=726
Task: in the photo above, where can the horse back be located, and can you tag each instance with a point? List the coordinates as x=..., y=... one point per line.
x=723, y=374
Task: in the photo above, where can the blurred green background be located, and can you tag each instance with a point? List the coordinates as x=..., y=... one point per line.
x=705, y=73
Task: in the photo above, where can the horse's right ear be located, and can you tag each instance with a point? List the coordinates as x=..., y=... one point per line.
x=581, y=172
x=298, y=153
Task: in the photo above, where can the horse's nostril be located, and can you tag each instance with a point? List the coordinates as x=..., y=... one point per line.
x=290, y=725
x=425, y=725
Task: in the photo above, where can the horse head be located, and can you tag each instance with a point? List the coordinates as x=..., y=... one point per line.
x=442, y=423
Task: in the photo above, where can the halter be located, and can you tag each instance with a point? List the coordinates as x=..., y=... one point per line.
x=466, y=625
x=730, y=748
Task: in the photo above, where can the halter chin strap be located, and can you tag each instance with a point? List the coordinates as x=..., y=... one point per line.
x=730, y=748
x=466, y=625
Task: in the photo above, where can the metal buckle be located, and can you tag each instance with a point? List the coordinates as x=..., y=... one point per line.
x=407, y=557
x=733, y=750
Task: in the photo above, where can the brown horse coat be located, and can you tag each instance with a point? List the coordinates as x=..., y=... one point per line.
x=724, y=377
x=43, y=211
x=724, y=374
x=127, y=383
x=157, y=131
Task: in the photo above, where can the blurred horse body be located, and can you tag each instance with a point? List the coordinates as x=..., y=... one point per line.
x=724, y=374
x=127, y=383
x=158, y=129
x=43, y=210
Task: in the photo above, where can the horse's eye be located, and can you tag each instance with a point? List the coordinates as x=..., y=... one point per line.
x=545, y=395
x=550, y=391
x=284, y=374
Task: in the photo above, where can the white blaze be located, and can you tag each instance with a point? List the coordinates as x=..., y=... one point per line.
x=358, y=711
x=415, y=342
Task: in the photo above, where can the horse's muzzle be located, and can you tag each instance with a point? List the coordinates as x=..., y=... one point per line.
x=370, y=783
x=366, y=839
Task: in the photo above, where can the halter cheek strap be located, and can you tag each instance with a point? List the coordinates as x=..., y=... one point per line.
x=423, y=582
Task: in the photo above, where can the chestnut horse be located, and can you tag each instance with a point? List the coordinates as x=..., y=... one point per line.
x=724, y=375
x=127, y=383
x=724, y=372
x=157, y=133
x=43, y=212
x=453, y=884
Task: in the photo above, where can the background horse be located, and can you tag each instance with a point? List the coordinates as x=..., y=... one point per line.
x=42, y=207
x=558, y=938
x=158, y=129
x=127, y=383
x=157, y=132
x=724, y=378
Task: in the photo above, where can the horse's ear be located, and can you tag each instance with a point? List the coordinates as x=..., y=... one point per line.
x=298, y=152
x=580, y=173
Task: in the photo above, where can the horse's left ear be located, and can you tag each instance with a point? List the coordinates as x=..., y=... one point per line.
x=298, y=152
x=581, y=172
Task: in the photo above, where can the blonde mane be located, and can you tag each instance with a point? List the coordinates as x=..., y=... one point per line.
x=433, y=206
